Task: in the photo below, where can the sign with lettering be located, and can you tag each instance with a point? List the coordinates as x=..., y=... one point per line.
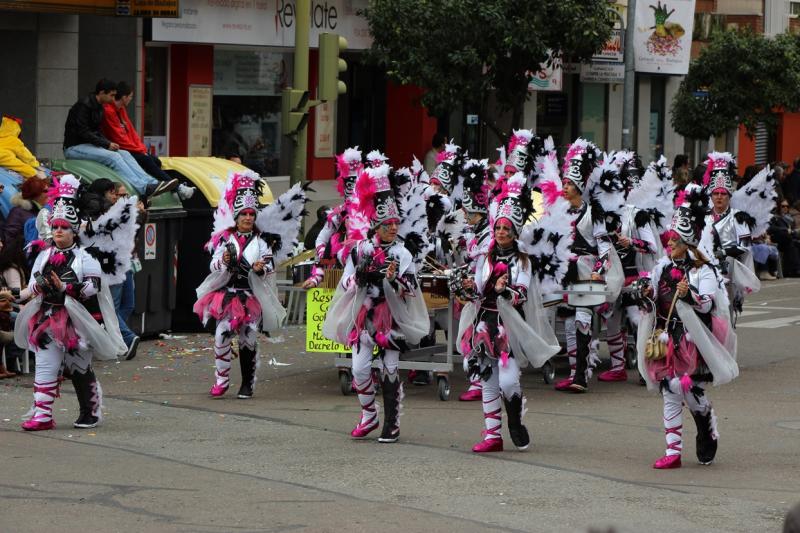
x=324, y=133
x=317, y=301
x=199, y=121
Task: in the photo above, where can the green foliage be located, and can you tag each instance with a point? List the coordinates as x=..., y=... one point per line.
x=747, y=76
x=459, y=50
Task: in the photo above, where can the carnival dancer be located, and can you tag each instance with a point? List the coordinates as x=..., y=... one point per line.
x=240, y=293
x=343, y=226
x=497, y=329
x=594, y=257
x=638, y=246
x=685, y=339
x=446, y=177
x=477, y=238
x=71, y=318
x=378, y=304
x=729, y=225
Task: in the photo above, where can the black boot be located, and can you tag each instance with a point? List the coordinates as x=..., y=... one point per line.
x=247, y=362
x=518, y=432
x=88, y=398
x=581, y=362
x=392, y=390
x=706, y=444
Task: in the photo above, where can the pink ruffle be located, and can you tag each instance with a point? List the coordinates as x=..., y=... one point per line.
x=234, y=311
x=57, y=326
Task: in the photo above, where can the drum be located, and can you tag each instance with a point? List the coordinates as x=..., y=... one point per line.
x=435, y=290
x=587, y=294
x=301, y=272
x=551, y=299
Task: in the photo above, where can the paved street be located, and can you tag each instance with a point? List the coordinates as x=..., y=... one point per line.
x=169, y=458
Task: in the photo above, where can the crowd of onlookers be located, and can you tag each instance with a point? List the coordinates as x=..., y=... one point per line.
x=99, y=129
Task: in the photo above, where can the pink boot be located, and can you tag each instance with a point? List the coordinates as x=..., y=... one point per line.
x=218, y=390
x=364, y=428
x=472, y=395
x=35, y=425
x=564, y=384
x=668, y=461
x=488, y=445
x=614, y=375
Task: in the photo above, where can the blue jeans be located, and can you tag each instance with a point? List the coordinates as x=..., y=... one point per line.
x=124, y=301
x=121, y=161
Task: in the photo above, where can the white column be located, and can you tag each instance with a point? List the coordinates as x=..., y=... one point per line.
x=56, y=80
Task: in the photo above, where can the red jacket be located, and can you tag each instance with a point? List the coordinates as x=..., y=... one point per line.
x=117, y=128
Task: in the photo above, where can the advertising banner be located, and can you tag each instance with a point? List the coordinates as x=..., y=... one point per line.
x=662, y=37
x=317, y=301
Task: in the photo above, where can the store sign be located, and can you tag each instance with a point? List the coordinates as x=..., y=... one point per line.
x=199, y=121
x=125, y=8
x=662, y=37
x=148, y=8
x=597, y=72
x=324, y=129
x=549, y=78
x=262, y=22
x=612, y=50
x=317, y=302
x=248, y=72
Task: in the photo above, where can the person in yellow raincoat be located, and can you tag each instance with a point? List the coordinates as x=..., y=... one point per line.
x=13, y=153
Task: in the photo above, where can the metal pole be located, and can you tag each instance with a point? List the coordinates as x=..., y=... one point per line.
x=300, y=82
x=629, y=89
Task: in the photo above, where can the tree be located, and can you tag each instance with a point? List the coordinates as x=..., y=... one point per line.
x=460, y=50
x=740, y=78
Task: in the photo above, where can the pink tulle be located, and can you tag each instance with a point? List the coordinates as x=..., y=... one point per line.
x=352, y=337
x=336, y=244
x=550, y=192
x=234, y=311
x=382, y=318
x=465, y=341
x=57, y=326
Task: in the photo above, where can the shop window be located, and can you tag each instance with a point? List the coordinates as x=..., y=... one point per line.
x=247, y=107
x=155, y=92
x=593, y=121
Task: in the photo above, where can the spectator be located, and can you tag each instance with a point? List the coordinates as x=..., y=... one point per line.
x=84, y=140
x=783, y=232
x=27, y=202
x=748, y=175
x=437, y=145
x=765, y=257
x=681, y=162
x=13, y=153
x=779, y=174
x=680, y=178
x=117, y=128
x=311, y=236
x=12, y=283
x=792, y=188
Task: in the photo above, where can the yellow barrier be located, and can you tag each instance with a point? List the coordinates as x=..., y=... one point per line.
x=208, y=174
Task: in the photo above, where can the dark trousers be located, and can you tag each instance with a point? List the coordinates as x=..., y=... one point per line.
x=152, y=165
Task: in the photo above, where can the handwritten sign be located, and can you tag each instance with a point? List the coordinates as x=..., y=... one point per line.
x=317, y=301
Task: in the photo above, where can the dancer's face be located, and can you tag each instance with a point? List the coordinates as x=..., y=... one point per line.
x=387, y=231
x=503, y=233
x=677, y=248
x=63, y=237
x=721, y=201
x=245, y=221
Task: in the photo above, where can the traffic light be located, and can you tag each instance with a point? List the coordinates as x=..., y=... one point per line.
x=330, y=65
x=294, y=114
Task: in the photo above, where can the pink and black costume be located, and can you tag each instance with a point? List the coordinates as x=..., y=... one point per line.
x=68, y=324
x=497, y=331
x=241, y=299
x=700, y=341
x=371, y=309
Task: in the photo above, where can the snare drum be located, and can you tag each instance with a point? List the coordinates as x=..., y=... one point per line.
x=435, y=290
x=587, y=294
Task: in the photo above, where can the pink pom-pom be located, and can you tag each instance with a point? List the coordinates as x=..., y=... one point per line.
x=381, y=339
x=500, y=269
x=550, y=192
x=680, y=198
x=58, y=259
x=676, y=274
x=686, y=383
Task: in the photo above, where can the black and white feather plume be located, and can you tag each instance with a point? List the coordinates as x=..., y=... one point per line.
x=757, y=199
x=655, y=194
x=548, y=241
x=279, y=222
x=111, y=237
x=413, y=230
x=605, y=193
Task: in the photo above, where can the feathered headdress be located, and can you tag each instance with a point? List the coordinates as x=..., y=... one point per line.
x=690, y=214
x=376, y=158
x=476, y=188
x=111, y=238
x=63, y=197
x=241, y=192
x=579, y=163
x=607, y=194
x=448, y=167
x=630, y=167
x=376, y=196
x=348, y=165
x=523, y=149
x=513, y=203
x=720, y=172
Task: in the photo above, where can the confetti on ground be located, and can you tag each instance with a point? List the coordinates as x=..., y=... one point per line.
x=275, y=362
x=171, y=337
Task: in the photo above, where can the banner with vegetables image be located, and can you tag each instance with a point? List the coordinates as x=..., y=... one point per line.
x=662, y=38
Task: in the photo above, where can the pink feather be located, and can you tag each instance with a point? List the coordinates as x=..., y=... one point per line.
x=707, y=173
x=365, y=192
x=686, y=383
x=550, y=192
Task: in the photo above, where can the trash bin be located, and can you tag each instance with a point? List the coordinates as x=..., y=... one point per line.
x=156, y=289
x=208, y=174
